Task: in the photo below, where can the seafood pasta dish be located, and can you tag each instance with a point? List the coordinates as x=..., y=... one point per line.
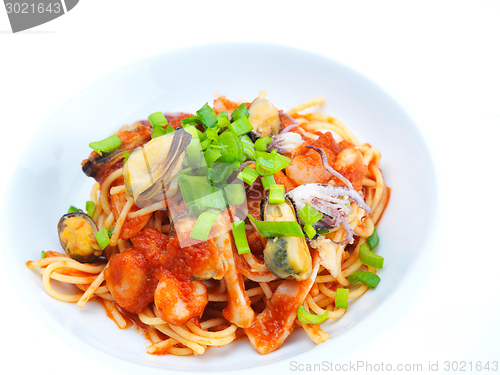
x=238, y=221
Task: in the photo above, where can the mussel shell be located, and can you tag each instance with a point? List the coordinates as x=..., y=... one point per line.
x=264, y=117
x=286, y=257
x=84, y=258
x=147, y=174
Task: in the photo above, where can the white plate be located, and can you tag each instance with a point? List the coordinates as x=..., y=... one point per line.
x=49, y=178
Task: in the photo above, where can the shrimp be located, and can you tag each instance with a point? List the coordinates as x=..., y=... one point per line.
x=179, y=298
x=307, y=168
x=129, y=280
x=273, y=325
x=131, y=226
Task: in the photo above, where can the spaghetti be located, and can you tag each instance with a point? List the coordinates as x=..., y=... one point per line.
x=242, y=297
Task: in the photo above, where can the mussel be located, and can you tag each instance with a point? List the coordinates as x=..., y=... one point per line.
x=150, y=169
x=264, y=118
x=285, y=257
x=77, y=233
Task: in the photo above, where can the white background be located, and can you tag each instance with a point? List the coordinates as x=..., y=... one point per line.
x=439, y=59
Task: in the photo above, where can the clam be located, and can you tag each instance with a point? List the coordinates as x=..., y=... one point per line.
x=264, y=117
x=77, y=233
x=285, y=257
x=150, y=169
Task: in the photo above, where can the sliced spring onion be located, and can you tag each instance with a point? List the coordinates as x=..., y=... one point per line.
x=157, y=131
x=248, y=175
x=341, y=296
x=125, y=156
x=102, y=238
x=169, y=129
x=110, y=232
x=308, y=318
x=73, y=209
x=275, y=161
x=193, y=120
x=370, y=279
x=240, y=112
x=278, y=228
x=233, y=149
x=223, y=120
x=221, y=172
x=235, y=194
x=42, y=255
x=277, y=194
x=373, y=240
x=90, y=208
x=106, y=145
x=207, y=116
x=261, y=143
x=205, y=144
x=309, y=215
x=267, y=181
x=323, y=231
x=157, y=119
x=211, y=155
x=203, y=225
x=240, y=126
x=264, y=167
x=240, y=237
x=370, y=259
x=310, y=231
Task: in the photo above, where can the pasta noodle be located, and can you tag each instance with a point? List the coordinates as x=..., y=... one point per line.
x=227, y=315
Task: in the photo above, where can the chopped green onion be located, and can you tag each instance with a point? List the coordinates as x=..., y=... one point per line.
x=157, y=131
x=125, y=156
x=102, y=238
x=215, y=200
x=223, y=120
x=370, y=279
x=267, y=182
x=110, y=232
x=240, y=126
x=43, y=255
x=370, y=259
x=310, y=231
x=308, y=318
x=240, y=237
x=249, y=151
x=203, y=225
x=207, y=116
x=235, y=194
x=212, y=135
x=323, y=231
x=278, y=228
x=211, y=155
x=233, y=150
x=157, y=119
x=221, y=172
x=373, y=240
x=90, y=207
x=73, y=209
x=277, y=194
x=309, y=215
x=274, y=162
x=205, y=144
x=193, y=120
x=248, y=175
x=261, y=143
x=169, y=129
x=240, y=112
x=246, y=139
x=106, y=145
x=264, y=167
x=341, y=296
